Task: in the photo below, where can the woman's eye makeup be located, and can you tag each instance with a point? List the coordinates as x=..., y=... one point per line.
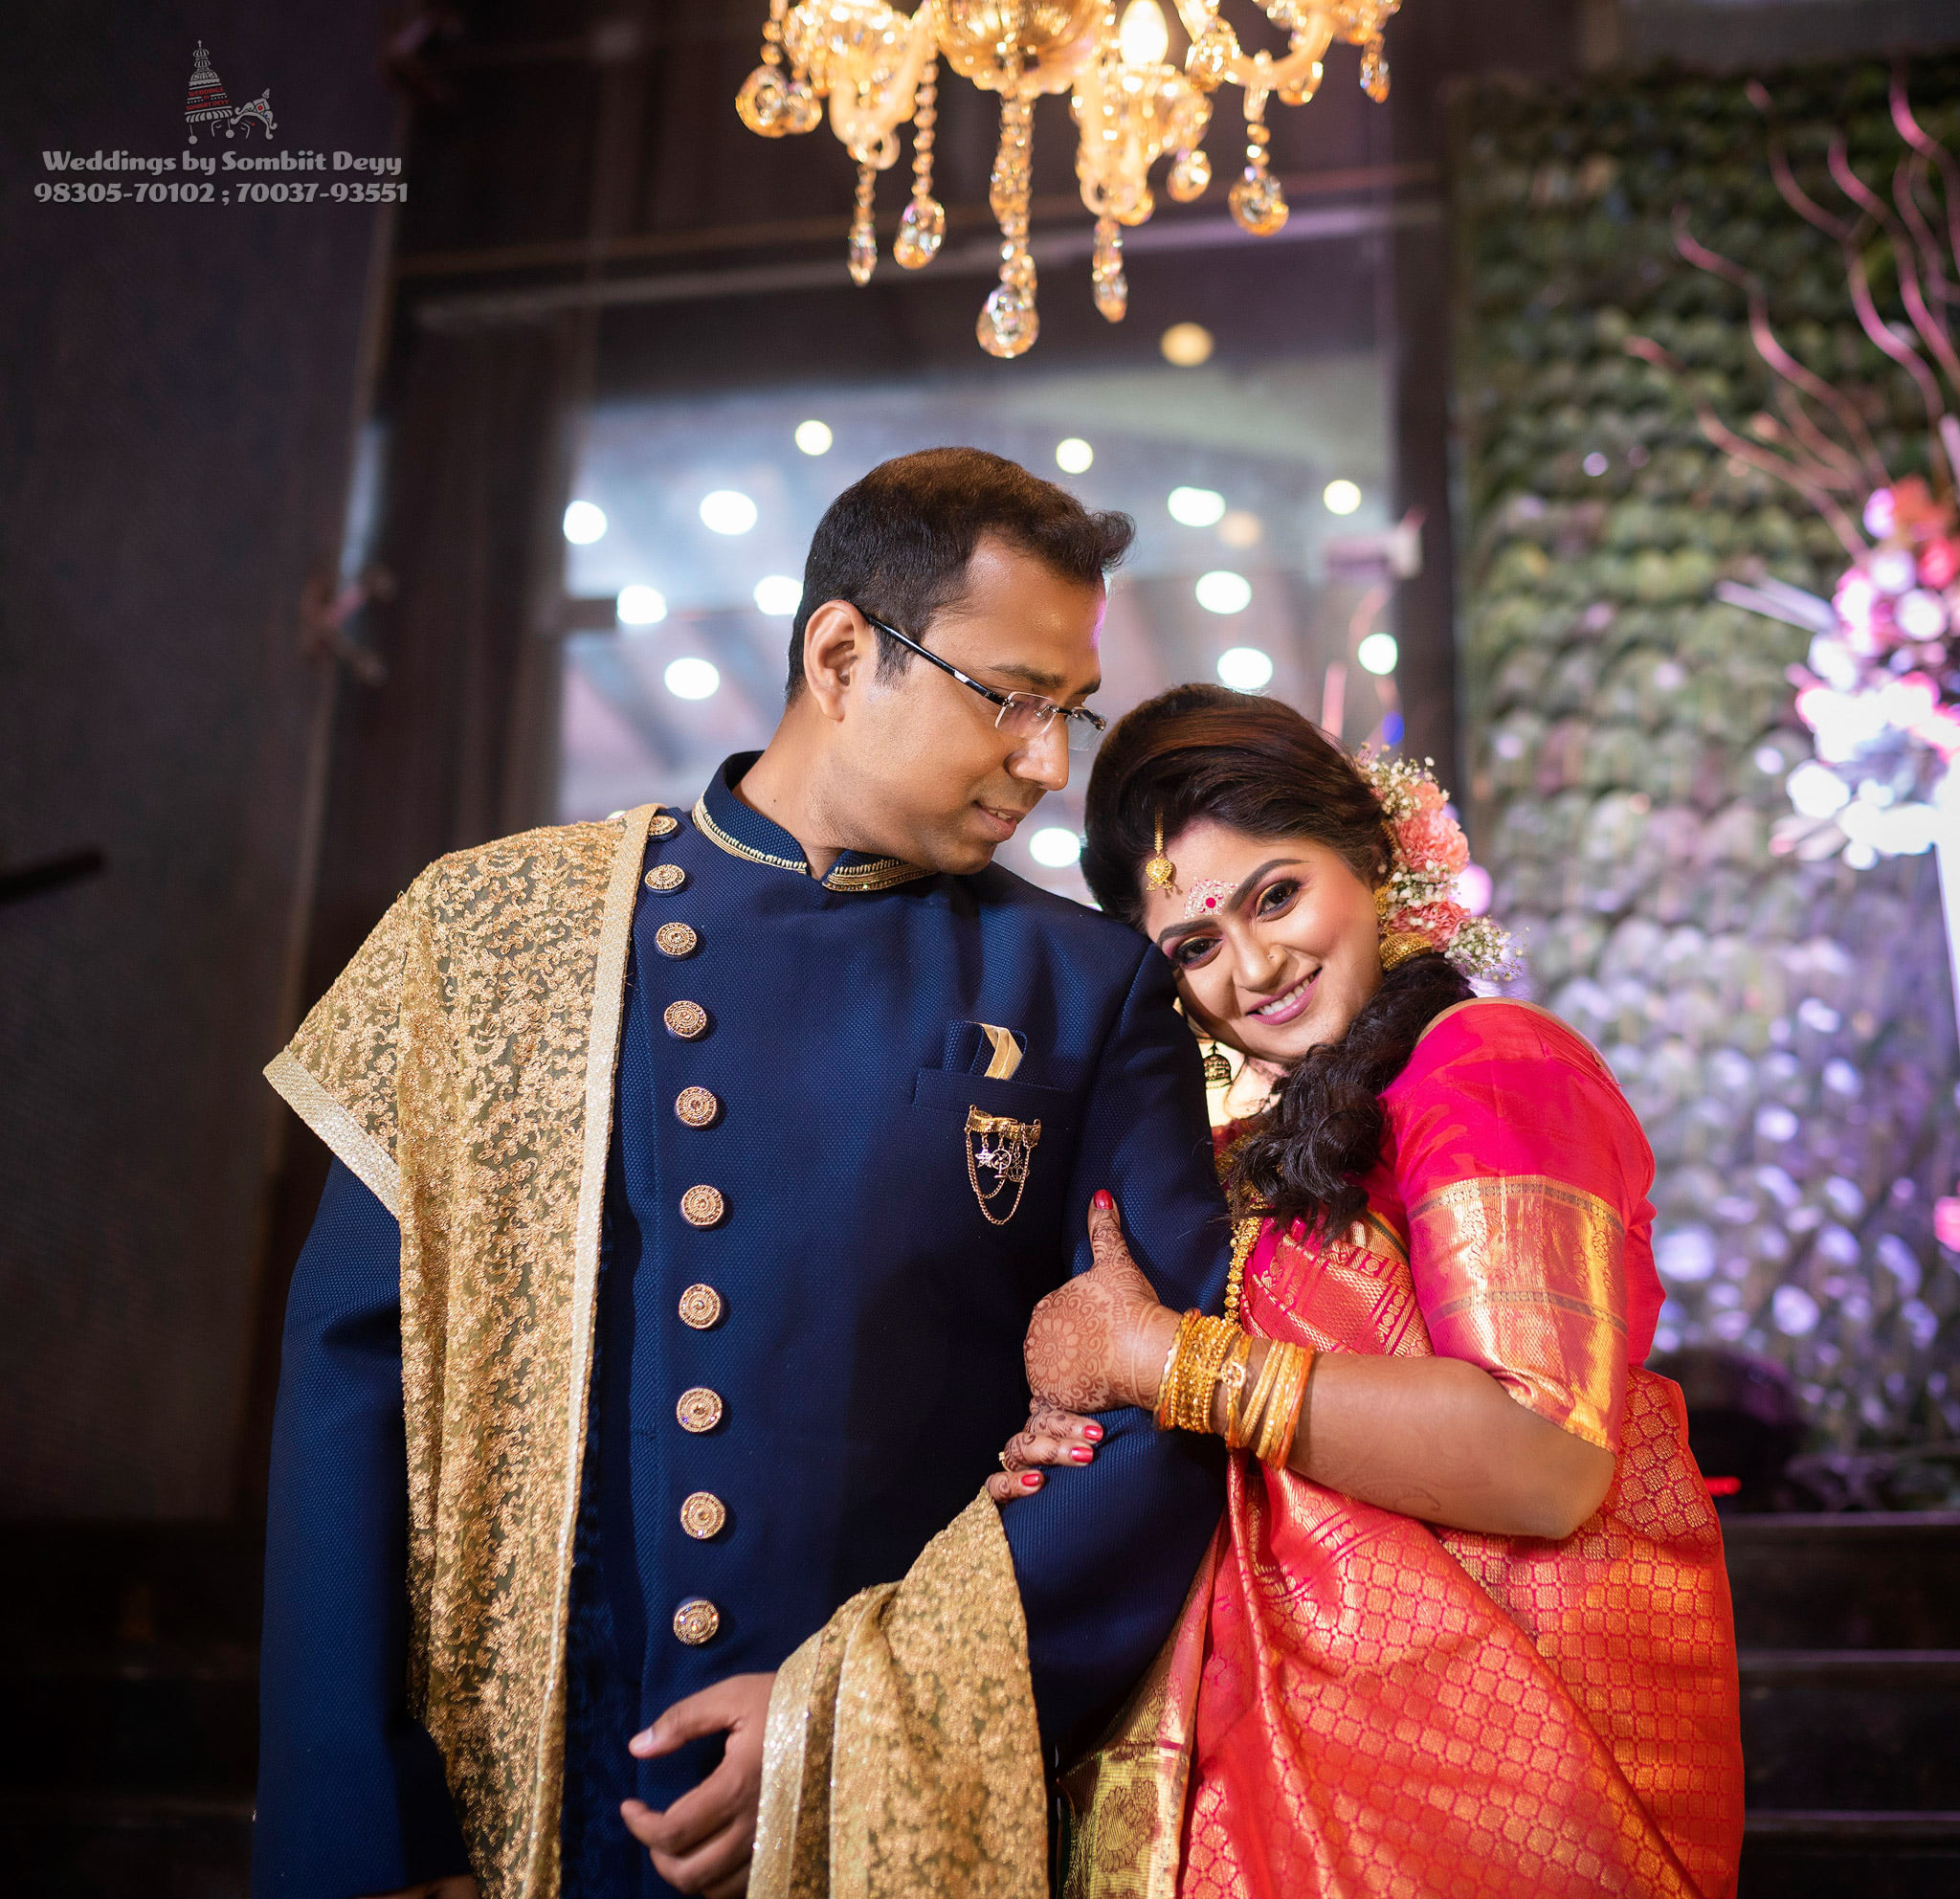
x=1189, y=952
x=1275, y=897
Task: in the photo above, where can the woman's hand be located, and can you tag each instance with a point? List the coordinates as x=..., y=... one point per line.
x=1053, y=1435
x=1101, y=1340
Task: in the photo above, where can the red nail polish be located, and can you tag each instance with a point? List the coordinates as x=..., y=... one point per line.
x=1104, y=1200
x=1081, y=1454
x=1093, y=1432
x=1031, y=1480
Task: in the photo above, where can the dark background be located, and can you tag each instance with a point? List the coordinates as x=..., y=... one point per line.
x=203, y=809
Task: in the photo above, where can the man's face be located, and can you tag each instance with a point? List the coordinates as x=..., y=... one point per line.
x=937, y=782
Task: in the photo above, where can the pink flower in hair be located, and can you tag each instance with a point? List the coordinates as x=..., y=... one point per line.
x=1433, y=841
x=1436, y=922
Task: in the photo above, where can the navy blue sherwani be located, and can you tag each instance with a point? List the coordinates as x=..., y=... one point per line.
x=809, y=1340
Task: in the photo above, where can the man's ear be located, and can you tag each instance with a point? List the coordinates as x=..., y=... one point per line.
x=837, y=646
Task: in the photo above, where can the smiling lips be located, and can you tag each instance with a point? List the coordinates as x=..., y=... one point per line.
x=1004, y=818
x=1284, y=1008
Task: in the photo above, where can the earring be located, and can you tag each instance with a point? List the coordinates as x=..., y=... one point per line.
x=1159, y=872
x=1217, y=1070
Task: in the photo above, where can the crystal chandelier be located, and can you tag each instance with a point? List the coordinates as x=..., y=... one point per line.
x=878, y=69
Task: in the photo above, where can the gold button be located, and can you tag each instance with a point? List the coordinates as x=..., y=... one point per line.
x=666, y=879
x=696, y=1620
x=697, y=1108
x=703, y=1206
x=703, y=1515
x=676, y=939
x=662, y=826
x=699, y=1409
x=700, y=1308
x=685, y=1019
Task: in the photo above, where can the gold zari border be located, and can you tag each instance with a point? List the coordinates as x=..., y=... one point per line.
x=1525, y=1275
x=879, y=874
x=350, y=1143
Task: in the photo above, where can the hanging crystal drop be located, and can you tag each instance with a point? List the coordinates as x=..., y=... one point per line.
x=1258, y=204
x=1008, y=325
x=1190, y=176
x=861, y=253
x=1374, y=70
x=921, y=231
x=922, y=226
x=1106, y=271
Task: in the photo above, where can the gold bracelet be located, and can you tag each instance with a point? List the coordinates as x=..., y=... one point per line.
x=1232, y=1382
x=1209, y=1348
x=1283, y=1411
x=1180, y=1372
x=1255, y=1400
x=1167, y=1385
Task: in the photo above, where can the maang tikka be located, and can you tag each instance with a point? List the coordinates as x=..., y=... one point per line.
x=1159, y=872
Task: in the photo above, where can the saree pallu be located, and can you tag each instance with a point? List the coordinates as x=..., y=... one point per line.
x=1356, y=1703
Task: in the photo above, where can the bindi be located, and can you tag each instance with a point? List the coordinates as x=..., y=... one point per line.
x=1207, y=897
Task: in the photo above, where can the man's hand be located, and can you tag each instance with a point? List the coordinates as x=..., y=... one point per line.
x=458, y=1885
x=703, y=1843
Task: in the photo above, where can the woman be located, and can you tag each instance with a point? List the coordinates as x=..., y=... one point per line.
x=1465, y=1627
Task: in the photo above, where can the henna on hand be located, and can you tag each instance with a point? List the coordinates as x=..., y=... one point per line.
x=1084, y=1339
x=1052, y=1437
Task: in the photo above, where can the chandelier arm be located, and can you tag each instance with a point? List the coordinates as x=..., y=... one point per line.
x=869, y=131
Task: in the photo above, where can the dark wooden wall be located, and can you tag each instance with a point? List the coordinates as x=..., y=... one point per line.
x=177, y=388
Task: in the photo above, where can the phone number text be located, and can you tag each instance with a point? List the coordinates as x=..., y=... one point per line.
x=194, y=193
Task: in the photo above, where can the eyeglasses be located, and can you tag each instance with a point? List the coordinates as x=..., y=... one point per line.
x=1022, y=715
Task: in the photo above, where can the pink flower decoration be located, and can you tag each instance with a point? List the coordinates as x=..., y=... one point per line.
x=1939, y=562
x=1947, y=1224
x=1436, y=922
x=1433, y=841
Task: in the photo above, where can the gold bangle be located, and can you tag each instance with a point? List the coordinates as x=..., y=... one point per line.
x=1232, y=1382
x=1256, y=1400
x=1166, y=1386
x=1211, y=1345
x=1282, y=1412
x=1270, y=1419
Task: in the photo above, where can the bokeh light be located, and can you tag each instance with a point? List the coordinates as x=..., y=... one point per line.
x=692, y=678
x=1244, y=668
x=640, y=606
x=1223, y=592
x=727, y=511
x=585, y=522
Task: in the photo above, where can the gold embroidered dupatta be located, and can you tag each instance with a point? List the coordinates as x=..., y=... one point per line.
x=1356, y=1704
x=462, y=1066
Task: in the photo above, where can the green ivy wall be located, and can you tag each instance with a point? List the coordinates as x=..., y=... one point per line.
x=1786, y=1030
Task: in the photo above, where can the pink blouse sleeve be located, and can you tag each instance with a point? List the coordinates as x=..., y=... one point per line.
x=1525, y=1175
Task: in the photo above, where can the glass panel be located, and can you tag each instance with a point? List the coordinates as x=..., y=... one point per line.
x=1224, y=468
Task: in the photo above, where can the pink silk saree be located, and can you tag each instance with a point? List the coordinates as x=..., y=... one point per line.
x=1358, y=1704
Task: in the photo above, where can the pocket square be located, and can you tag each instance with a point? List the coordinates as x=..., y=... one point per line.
x=982, y=1048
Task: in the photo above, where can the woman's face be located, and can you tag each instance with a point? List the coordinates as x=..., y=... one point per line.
x=1274, y=939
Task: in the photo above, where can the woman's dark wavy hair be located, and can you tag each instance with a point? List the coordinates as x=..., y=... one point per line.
x=1258, y=766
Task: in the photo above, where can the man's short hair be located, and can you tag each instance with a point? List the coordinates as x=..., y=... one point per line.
x=897, y=542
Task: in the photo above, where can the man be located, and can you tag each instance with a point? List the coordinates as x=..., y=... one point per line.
x=696, y=1176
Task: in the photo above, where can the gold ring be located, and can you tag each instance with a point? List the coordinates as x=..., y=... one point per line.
x=1004, y=1464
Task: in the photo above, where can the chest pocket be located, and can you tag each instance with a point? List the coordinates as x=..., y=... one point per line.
x=976, y=1141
